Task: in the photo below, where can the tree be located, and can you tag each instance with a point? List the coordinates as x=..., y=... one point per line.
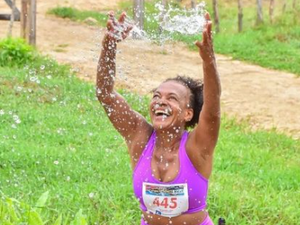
x=162, y=14
x=164, y=4
x=294, y=4
x=12, y=18
x=240, y=16
x=193, y=4
x=216, y=15
x=271, y=10
x=139, y=13
x=259, y=12
x=284, y=6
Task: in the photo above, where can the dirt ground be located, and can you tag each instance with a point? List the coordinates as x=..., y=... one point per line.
x=265, y=98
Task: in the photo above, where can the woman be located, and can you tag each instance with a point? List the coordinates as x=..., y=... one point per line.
x=171, y=166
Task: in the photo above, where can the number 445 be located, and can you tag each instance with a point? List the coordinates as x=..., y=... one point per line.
x=165, y=202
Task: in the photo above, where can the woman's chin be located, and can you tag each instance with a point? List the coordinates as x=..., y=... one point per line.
x=162, y=125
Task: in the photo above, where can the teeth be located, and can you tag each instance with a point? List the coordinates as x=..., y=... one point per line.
x=165, y=112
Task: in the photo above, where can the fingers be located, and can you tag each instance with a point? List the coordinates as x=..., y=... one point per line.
x=206, y=39
x=122, y=17
x=111, y=17
x=208, y=24
x=198, y=44
x=206, y=33
x=128, y=29
x=209, y=33
x=207, y=16
x=110, y=25
x=126, y=32
x=111, y=14
x=205, y=36
x=118, y=29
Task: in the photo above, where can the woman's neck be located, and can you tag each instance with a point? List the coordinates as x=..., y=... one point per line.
x=168, y=141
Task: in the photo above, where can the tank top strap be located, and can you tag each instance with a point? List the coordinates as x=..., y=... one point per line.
x=147, y=152
x=150, y=145
x=182, y=145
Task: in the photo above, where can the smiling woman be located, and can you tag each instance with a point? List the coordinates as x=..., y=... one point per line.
x=171, y=166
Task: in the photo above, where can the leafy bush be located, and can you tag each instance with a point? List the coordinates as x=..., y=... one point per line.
x=15, y=52
x=13, y=212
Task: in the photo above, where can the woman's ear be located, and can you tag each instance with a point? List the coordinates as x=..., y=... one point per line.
x=189, y=114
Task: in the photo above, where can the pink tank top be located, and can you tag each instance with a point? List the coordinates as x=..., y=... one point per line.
x=194, y=182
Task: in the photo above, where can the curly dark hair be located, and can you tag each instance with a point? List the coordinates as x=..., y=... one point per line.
x=196, y=98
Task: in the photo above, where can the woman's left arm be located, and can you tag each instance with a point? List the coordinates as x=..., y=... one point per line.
x=207, y=131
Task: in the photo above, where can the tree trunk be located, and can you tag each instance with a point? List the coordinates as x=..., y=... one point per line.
x=32, y=22
x=294, y=4
x=240, y=15
x=12, y=18
x=216, y=15
x=193, y=4
x=24, y=20
x=284, y=6
x=259, y=12
x=271, y=11
x=162, y=14
x=164, y=3
x=139, y=13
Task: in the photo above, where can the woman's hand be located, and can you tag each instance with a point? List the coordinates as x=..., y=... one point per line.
x=206, y=49
x=117, y=30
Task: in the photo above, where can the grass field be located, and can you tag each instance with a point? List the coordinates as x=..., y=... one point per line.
x=55, y=138
x=275, y=45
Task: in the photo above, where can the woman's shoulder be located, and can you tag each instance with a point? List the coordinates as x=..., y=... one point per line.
x=138, y=144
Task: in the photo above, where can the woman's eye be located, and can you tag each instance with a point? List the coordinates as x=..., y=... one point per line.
x=173, y=98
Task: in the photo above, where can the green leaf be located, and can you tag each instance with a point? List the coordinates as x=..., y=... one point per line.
x=66, y=220
x=6, y=222
x=11, y=210
x=79, y=219
x=42, y=200
x=34, y=218
x=58, y=220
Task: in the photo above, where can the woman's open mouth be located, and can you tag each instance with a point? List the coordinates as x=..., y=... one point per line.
x=162, y=113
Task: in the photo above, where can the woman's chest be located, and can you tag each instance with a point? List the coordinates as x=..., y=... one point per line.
x=165, y=167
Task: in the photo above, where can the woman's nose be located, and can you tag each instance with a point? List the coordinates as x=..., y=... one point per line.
x=161, y=101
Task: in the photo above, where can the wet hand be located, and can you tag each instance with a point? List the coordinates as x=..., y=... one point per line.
x=206, y=50
x=117, y=30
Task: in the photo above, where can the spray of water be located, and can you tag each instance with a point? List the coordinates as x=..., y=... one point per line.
x=184, y=21
x=172, y=20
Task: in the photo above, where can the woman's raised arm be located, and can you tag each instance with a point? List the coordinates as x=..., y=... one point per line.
x=207, y=131
x=127, y=122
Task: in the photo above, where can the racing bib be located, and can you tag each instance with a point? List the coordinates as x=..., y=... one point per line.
x=167, y=200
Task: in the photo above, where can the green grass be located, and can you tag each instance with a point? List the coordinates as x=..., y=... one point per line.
x=79, y=15
x=55, y=137
x=275, y=46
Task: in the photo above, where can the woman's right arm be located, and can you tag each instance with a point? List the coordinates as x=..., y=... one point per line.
x=128, y=123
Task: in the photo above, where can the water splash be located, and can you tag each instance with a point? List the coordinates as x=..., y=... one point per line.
x=184, y=21
x=170, y=19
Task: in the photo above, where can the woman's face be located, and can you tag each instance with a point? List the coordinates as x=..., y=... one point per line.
x=169, y=107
